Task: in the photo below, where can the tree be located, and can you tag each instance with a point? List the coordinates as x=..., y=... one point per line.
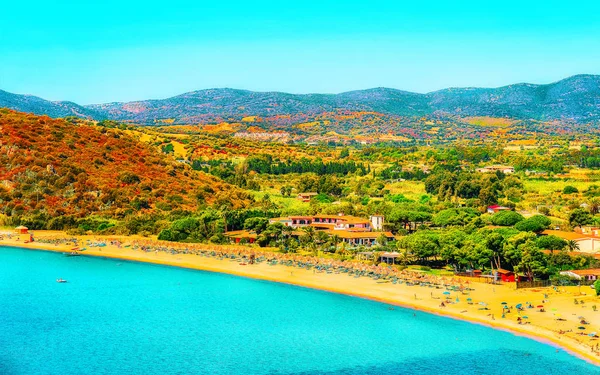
x=335, y=240
x=512, y=249
x=423, y=244
x=572, y=245
x=307, y=239
x=597, y=287
x=536, y=224
x=450, y=243
x=506, y=218
x=570, y=190
x=533, y=261
x=580, y=217
x=257, y=224
x=322, y=241
x=454, y=216
x=382, y=240
x=551, y=243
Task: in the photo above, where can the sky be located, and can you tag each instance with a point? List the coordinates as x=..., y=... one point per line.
x=95, y=52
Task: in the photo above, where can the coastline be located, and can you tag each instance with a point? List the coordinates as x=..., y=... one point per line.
x=413, y=297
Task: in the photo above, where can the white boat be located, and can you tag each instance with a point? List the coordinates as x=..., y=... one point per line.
x=61, y=280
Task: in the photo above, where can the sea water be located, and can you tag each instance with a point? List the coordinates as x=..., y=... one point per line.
x=117, y=317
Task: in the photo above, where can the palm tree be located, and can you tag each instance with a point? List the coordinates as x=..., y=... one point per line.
x=308, y=238
x=572, y=245
x=335, y=240
x=321, y=239
x=405, y=256
x=343, y=250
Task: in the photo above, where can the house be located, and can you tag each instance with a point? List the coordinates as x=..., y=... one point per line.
x=21, y=230
x=591, y=274
x=376, y=222
x=329, y=222
x=352, y=230
x=495, y=168
x=238, y=236
x=360, y=238
x=496, y=208
x=586, y=243
x=306, y=197
x=506, y=275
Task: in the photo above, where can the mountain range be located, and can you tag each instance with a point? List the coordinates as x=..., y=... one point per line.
x=574, y=99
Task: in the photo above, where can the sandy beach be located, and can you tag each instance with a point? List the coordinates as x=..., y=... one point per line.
x=558, y=324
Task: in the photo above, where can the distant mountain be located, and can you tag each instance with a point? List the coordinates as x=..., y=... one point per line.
x=39, y=106
x=573, y=99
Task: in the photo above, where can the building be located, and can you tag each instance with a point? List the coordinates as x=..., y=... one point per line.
x=496, y=208
x=376, y=222
x=352, y=230
x=506, y=275
x=495, y=168
x=21, y=230
x=239, y=236
x=360, y=238
x=591, y=274
x=330, y=222
x=586, y=243
x=306, y=197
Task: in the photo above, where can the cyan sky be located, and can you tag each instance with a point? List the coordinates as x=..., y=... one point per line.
x=129, y=50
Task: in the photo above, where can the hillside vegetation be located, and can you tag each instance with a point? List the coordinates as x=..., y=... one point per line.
x=53, y=172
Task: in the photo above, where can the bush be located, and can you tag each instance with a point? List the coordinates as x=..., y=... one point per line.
x=570, y=190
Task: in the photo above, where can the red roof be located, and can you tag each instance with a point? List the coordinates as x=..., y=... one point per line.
x=503, y=271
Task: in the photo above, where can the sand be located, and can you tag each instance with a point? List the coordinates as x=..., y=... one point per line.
x=543, y=326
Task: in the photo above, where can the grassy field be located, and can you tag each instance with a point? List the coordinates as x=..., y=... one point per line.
x=289, y=205
x=410, y=189
x=548, y=187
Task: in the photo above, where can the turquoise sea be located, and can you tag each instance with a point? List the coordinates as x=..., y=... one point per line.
x=116, y=317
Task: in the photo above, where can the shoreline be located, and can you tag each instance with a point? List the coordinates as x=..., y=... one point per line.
x=366, y=288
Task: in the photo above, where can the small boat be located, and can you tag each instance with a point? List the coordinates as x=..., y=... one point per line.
x=61, y=281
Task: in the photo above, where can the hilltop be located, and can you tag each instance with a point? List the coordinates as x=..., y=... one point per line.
x=54, y=171
x=574, y=99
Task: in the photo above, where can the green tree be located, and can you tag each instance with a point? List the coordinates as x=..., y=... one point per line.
x=580, y=217
x=533, y=261
x=506, y=218
x=551, y=242
x=536, y=224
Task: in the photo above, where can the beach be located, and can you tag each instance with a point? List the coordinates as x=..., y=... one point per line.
x=558, y=324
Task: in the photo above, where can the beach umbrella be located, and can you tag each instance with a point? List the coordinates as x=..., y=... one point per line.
x=446, y=293
x=581, y=327
x=580, y=317
x=504, y=303
x=525, y=317
x=592, y=334
x=540, y=306
x=519, y=305
x=554, y=310
x=469, y=299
